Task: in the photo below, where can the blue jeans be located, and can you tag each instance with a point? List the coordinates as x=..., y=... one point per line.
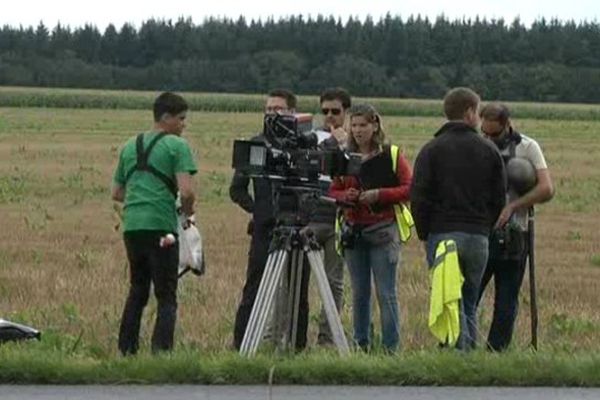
x=508, y=276
x=363, y=260
x=472, y=257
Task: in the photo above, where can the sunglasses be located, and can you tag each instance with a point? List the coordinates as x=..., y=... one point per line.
x=334, y=111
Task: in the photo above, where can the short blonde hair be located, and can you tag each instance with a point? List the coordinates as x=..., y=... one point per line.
x=458, y=101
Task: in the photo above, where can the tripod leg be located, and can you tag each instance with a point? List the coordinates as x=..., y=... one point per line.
x=280, y=314
x=263, y=302
x=333, y=318
x=251, y=326
x=295, y=291
x=270, y=300
x=265, y=312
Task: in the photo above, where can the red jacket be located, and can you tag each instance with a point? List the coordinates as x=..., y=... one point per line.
x=361, y=214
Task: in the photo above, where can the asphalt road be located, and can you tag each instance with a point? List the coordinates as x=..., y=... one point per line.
x=186, y=392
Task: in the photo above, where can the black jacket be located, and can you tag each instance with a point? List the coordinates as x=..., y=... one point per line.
x=459, y=183
x=261, y=205
x=326, y=212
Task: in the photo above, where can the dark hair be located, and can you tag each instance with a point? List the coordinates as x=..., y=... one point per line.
x=290, y=98
x=168, y=103
x=372, y=116
x=495, y=112
x=458, y=100
x=337, y=93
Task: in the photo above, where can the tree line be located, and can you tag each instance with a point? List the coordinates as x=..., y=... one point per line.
x=392, y=57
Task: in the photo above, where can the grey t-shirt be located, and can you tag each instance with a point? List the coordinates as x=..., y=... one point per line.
x=530, y=150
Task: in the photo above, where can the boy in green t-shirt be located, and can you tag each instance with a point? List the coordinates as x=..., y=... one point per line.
x=152, y=168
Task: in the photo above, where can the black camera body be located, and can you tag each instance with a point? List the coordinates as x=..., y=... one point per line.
x=291, y=159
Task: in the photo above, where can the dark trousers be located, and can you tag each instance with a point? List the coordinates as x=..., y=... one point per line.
x=149, y=263
x=257, y=260
x=508, y=276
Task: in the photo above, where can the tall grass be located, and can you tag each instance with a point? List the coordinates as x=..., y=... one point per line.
x=219, y=102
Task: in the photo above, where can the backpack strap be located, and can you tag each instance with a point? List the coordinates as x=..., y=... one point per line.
x=142, y=162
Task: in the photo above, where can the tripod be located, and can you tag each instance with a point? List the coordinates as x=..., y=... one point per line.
x=281, y=284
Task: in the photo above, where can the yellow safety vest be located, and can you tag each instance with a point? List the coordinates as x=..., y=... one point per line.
x=404, y=218
x=446, y=292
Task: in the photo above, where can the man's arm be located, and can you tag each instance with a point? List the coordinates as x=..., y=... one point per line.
x=118, y=192
x=238, y=192
x=543, y=191
x=185, y=184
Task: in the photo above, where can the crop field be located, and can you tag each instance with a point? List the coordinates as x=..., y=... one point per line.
x=63, y=267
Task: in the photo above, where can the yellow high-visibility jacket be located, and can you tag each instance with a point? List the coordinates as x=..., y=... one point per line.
x=446, y=292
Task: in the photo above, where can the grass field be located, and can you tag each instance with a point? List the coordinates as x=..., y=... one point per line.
x=63, y=267
x=227, y=102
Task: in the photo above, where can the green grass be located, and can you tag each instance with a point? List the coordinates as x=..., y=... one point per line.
x=67, y=359
x=221, y=102
x=27, y=363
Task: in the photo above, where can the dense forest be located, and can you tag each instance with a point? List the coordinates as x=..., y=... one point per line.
x=396, y=57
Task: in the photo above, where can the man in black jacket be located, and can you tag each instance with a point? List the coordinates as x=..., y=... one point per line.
x=260, y=227
x=457, y=194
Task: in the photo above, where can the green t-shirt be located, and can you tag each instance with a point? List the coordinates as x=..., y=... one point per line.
x=149, y=204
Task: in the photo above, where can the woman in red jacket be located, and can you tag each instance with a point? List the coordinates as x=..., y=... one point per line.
x=370, y=236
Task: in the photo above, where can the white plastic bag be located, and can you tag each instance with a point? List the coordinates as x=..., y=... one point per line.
x=191, y=252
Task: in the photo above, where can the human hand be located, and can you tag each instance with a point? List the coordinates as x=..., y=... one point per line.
x=505, y=215
x=352, y=195
x=369, y=197
x=339, y=134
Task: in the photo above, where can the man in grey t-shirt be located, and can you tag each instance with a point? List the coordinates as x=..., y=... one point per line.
x=509, y=243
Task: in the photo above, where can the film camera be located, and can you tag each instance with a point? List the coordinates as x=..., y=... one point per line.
x=293, y=160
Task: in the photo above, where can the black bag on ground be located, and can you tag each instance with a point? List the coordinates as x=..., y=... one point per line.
x=10, y=331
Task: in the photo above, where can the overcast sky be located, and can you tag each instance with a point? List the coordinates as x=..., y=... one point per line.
x=103, y=12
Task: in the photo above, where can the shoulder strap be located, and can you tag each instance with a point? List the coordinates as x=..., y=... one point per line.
x=512, y=149
x=139, y=149
x=142, y=162
x=394, y=154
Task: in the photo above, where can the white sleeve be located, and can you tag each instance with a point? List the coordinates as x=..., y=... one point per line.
x=535, y=155
x=322, y=135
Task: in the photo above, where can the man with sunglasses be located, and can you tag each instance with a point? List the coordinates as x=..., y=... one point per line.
x=509, y=242
x=334, y=103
